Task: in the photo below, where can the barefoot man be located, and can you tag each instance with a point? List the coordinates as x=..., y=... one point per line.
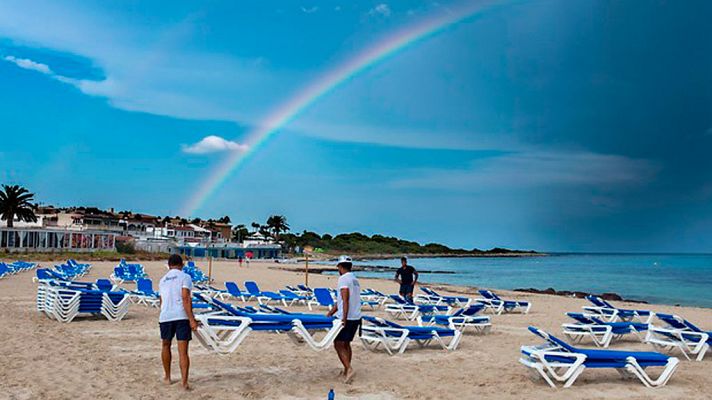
x=176, y=317
x=348, y=310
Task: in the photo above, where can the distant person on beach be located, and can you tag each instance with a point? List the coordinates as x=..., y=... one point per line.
x=407, y=277
x=176, y=318
x=239, y=259
x=348, y=310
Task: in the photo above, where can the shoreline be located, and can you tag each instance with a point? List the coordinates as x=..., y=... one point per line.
x=463, y=288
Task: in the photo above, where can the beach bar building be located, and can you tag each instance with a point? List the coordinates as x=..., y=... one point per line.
x=21, y=239
x=230, y=250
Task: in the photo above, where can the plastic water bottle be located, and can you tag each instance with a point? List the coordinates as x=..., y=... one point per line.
x=331, y=395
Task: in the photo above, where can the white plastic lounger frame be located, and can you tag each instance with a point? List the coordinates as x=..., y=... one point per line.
x=601, y=335
x=568, y=372
x=224, y=339
x=403, y=311
x=689, y=343
x=374, y=336
x=479, y=324
x=498, y=306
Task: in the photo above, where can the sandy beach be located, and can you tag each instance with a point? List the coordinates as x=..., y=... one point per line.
x=95, y=358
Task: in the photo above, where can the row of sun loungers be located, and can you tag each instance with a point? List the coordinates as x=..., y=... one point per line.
x=560, y=363
x=67, y=271
x=126, y=272
x=196, y=274
x=441, y=320
x=7, y=269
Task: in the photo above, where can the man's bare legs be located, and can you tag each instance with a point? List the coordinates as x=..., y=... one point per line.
x=184, y=361
x=343, y=350
x=166, y=358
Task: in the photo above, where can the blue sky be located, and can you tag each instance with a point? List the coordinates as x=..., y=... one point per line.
x=553, y=125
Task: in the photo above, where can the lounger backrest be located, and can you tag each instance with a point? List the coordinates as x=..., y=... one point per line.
x=323, y=296
x=582, y=318
x=304, y=287
x=252, y=288
x=429, y=292
x=677, y=322
x=599, y=302
x=472, y=309
x=552, y=339
x=233, y=289
x=144, y=285
x=487, y=294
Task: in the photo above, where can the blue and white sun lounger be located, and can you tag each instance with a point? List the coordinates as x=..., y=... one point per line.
x=681, y=334
x=224, y=329
x=395, y=338
x=558, y=362
x=235, y=291
x=292, y=298
x=144, y=293
x=322, y=297
x=372, y=296
x=435, y=298
x=406, y=309
x=498, y=305
x=611, y=313
x=461, y=319
x=601, y=332
x=261, y=296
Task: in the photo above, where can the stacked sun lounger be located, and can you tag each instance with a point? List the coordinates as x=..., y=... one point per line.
x=196, y=274
x=557, y=362
x=679, y=333
x=65, y=300
x=126, y=272
x=7, y=269
x=223, y=330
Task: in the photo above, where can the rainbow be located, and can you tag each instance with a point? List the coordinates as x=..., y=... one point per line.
x=294, y=106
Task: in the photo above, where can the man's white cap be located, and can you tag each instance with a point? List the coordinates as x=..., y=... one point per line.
x=343, y=259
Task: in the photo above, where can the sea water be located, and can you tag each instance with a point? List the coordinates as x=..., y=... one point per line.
x=684, y=279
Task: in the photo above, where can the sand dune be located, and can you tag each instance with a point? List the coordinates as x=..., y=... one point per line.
x=93, y=358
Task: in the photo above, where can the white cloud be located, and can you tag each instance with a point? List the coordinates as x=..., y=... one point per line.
x=29, y=64
x=381, y=9
x=310, y=10
x=213, y=144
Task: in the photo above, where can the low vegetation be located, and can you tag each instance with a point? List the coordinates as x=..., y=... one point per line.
x=360, y=244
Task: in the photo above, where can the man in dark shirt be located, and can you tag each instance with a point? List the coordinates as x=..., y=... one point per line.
x=407, y=277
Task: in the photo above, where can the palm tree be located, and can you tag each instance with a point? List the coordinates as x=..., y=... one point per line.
x=277, y=224
x=239, y=233
x=15, y=201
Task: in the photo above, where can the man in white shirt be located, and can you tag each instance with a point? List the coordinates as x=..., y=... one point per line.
x=176, y=318
x=348, y=310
